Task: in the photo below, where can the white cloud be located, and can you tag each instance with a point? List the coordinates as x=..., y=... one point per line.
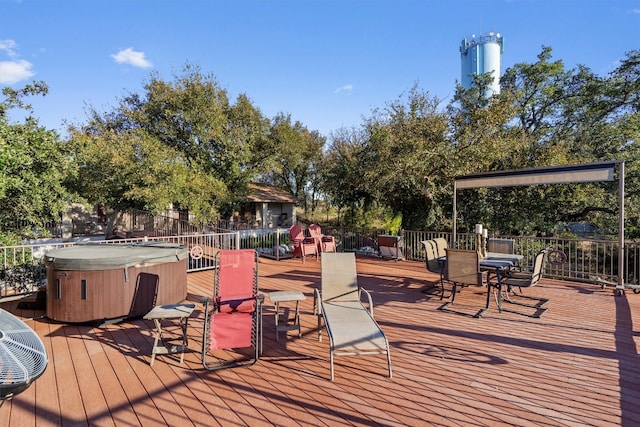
x=7, y=47
x=345, y=88
x=131, y=57
x=14, y=71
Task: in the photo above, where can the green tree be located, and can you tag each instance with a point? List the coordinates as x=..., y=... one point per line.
x=342, y=180
x=298, y=150
x=33, y=165
x=406, y=158
x=208, y=142
x=561, y=117
x=134, y=170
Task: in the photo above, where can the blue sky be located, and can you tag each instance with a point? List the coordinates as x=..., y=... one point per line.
x=326, y=62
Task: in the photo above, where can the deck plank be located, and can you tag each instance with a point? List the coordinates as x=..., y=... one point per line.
x=576, y=365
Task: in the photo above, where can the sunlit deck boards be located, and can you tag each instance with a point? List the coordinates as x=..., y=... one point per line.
x=576, y=365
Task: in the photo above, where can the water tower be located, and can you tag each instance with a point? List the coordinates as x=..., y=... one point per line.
x=482, y=55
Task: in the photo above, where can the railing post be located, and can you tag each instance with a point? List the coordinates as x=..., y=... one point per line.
x=621, y=259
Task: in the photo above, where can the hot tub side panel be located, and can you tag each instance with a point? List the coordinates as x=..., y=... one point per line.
x=98, y=295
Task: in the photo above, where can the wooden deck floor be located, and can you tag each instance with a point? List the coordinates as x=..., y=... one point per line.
x=576, y=365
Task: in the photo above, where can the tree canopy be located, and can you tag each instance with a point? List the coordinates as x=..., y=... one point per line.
x=33, y=166
x=180, y=143
x=184, y=143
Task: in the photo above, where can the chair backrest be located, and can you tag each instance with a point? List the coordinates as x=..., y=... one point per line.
x=463, y=267
x=339, y=277
x=296, y=234
x=502, y=246
x=145, y=294
x=234, y=322
x=441, y=246
x=538, y=270
x=315, y=231
x=431, y=257
x=237, y=275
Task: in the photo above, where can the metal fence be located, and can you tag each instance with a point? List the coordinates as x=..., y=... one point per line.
x=22, y=268
x=587, y=259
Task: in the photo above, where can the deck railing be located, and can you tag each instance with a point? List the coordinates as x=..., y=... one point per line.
x=23, y=270
x=22, y=267
x=587, y=259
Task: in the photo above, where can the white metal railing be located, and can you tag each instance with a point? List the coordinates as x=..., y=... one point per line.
x=587, y=259
x=23, y=268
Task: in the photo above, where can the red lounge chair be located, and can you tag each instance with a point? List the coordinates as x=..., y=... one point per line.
x=233, y=316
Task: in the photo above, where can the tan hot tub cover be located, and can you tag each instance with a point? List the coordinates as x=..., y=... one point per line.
x=94, y=256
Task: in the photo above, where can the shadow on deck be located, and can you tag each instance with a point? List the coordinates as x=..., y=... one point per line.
x=576, y=365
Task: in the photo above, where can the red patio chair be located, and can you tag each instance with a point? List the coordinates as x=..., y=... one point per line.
x=233, y=316
x=302, y=245
x=324, y=243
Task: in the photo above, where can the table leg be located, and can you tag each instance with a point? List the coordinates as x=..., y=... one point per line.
x=159, y=346
x=297, y=319
x=288, y=323
x=185, y=338
x=499, y=297
x=486, y=307
x=158, y=337
x=277, y=317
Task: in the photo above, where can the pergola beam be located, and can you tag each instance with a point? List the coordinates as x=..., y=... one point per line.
x=589, y=172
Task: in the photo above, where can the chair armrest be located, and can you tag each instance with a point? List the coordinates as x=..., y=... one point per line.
x=210, y=304
x=370, y=301
x=514, y=274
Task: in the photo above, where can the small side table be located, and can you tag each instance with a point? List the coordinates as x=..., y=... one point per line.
x=287, y=296
x=169, y=311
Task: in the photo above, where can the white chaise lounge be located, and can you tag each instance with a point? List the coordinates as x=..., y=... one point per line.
x=350, y=324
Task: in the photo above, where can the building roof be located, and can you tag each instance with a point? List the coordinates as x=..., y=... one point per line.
x=263, y=193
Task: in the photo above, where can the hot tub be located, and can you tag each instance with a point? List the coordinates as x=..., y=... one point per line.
x=111, y=282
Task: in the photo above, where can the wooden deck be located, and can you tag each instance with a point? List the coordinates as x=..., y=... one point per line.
x=576, y=365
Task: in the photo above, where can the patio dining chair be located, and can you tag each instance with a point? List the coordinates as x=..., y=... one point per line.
x=350, y=325
x=232, y=335
x=434, y=264
x=462, y=270
x=510, y=288
x=502, y=246
x=441, y=246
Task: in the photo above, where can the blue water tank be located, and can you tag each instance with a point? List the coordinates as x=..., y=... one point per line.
x=481, y=55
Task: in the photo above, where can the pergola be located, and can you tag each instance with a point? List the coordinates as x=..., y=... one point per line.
x=565, y=174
